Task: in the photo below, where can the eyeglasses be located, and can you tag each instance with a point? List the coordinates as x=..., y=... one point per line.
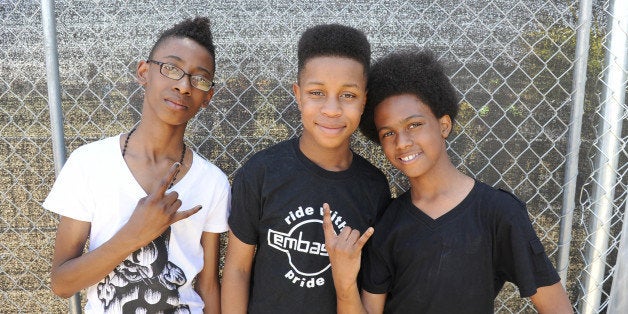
x=172, y=71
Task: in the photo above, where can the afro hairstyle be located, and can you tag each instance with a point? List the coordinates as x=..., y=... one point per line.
x=333, y=40
x=408, y=72
x=197, y=29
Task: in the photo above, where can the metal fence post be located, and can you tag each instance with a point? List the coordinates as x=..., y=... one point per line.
x=575, y=128
x=54, y=102
x=54, y=86
x=618, y=302
x=607, y=160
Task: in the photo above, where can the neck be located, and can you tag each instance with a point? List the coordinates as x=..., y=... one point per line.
x=441, y=179
x=437, y=195
x=331, y=159
x=155, y=145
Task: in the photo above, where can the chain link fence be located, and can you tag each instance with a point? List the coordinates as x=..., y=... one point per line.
x=512, y=62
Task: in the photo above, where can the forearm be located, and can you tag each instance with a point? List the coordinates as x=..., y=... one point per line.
x=552, y=299
x=236, y=276
x=73, y=275
x=210, y=293
x=348, y=300
x=207, y=284
x=235, y=291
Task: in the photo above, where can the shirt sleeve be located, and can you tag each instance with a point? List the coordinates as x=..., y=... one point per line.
x=376, y=274
x=217, y=219
x=246, y=204
x=521, y=257
x=68, y=196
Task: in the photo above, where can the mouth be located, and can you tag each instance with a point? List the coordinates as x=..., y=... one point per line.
x=408, y=158
x=176, y=104
x=331, y=129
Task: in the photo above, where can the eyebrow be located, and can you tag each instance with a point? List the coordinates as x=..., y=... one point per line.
x=404, y=120
x=179, y=59
x=352, y=85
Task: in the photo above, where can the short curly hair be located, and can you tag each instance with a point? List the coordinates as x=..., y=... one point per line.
x=197, y=29
x=408, y=72
x=333, y=40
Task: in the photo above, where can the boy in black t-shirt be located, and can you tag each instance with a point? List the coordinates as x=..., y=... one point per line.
x=276, y=260
x=449, y=243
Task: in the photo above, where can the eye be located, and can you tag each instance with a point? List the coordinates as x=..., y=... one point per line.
x=201, y=82
x=387, y=134
x=414, y=125
x=317, y=93
x=171, y=71
x=348, y=95
x=170, y=67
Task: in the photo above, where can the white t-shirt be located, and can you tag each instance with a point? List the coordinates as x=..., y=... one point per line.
x=95, y=185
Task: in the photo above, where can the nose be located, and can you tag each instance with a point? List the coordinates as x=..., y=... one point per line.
x=403, y=140
x=183, y=85
x=332, y=107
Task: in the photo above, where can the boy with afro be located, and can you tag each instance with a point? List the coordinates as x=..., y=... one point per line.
x=276, y=258
x=449, y=243
x=123, y=193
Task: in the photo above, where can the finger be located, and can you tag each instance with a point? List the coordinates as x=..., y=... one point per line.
x=353, y=236
x=328, y=227
x=365, y=237
x=171, y=197
x=345, y=234
x=164, y=184
x=186, y=213
x=172, y=208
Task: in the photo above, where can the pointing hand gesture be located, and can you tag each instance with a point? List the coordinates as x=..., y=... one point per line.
x=157, y=211
x=345, y=250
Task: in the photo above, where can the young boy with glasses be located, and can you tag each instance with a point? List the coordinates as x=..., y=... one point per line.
x=124, y=195
x=449, y=243
x=276, y=259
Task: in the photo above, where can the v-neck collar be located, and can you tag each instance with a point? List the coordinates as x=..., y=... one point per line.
x=135, y=186
x=445, y=218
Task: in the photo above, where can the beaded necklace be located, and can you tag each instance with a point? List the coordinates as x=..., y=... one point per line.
x=126, y=143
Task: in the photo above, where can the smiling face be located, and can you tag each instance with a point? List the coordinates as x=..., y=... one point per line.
x=175, y=101
x=412, y=138
x=330, y=94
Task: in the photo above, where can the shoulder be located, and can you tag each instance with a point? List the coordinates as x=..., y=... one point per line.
x=367, y=169
x=106, y=145
x=203, y=168
x=501, y=206
x=95, y=153
x=397, y=210
x=396, y=220
x=269, y=156
x=498, y=198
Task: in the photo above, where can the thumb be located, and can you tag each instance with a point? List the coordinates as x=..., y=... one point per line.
x=180, y=215
x=365, y=237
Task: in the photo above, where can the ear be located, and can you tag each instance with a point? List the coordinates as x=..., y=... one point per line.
x=142, y=72
x=445, y=125
x=296, y=89
x=208, y=97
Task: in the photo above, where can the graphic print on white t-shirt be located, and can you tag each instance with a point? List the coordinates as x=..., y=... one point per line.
x=145, y=282
x=303, y=245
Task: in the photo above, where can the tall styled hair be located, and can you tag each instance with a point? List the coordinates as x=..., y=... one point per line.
x=197, y=29
x=411, y=72
x=334, y=40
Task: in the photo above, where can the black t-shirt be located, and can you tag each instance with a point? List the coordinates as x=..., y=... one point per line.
x=277, y=199
x=458, y=262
